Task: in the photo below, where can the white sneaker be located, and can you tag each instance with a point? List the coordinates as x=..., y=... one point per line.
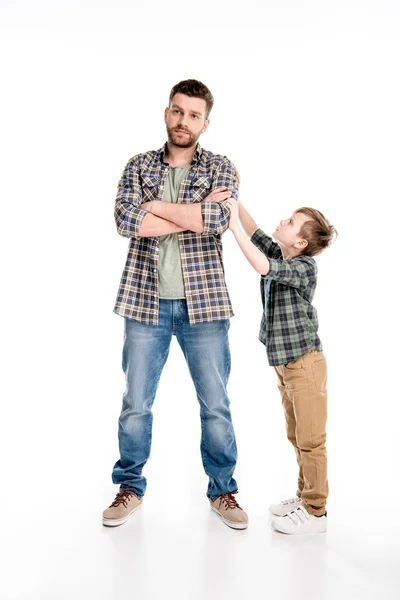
x=285, y=506
x=299, y=521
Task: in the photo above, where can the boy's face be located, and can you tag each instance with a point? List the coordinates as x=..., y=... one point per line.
x=287, y=232
x=185, y=119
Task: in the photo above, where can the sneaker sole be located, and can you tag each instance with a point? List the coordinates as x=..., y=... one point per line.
x=116, y=522
x=297, y=532
x=230, y=524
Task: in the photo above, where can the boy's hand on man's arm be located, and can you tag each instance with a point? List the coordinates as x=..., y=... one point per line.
x=234, y=210
x=257, y=259
x=247, y=221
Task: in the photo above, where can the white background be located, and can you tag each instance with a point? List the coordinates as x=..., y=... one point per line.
x=307, y=100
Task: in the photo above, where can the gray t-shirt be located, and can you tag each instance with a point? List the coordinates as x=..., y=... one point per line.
x=170, y=277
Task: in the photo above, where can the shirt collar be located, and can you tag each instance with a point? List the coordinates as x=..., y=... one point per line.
x=196, y=156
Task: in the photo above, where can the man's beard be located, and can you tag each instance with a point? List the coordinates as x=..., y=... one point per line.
x=181, y=142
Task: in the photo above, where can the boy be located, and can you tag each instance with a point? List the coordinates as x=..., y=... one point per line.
x=289, y=332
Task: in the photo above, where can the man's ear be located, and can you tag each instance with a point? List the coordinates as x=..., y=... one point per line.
x=165, y=114
x=301, y=244
x=206, y=124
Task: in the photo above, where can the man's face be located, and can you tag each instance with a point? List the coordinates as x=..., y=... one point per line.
x=287, y=232
x=185, y=119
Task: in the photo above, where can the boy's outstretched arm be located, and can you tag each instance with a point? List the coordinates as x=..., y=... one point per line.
x=257, y=259
x=247, y=221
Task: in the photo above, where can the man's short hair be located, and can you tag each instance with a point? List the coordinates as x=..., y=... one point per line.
x=194, y=89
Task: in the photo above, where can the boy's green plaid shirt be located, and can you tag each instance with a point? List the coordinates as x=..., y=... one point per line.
x=289, y=323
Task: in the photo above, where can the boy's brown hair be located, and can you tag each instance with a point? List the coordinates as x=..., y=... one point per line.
x=194, y=89
x=318, y=232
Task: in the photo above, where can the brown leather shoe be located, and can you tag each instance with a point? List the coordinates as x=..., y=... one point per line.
x=126, y=502
x=230, y=511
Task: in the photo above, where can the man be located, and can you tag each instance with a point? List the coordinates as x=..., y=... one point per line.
x=173, y=284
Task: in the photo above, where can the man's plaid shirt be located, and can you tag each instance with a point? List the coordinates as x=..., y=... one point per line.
x=206, y=293
x=289, y=323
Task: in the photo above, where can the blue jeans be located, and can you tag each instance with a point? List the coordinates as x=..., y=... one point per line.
x=206, y=350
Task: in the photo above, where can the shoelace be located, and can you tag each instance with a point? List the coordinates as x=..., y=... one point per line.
x=299, y=516
x=291, y=500
x=229, y=500
x=122, y=497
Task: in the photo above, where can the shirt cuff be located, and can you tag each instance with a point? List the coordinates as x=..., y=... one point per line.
x=257, y=236
x=137, y=221
x=213, y=218
x=274, y=268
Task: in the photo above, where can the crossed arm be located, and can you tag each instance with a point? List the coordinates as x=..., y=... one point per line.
x=177, y=217
x=163, y=216
x=154, y=226
x=152, y=219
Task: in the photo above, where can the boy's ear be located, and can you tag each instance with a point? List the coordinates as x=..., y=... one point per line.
x=301, y=244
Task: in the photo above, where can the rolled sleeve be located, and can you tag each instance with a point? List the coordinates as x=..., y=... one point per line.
x=215, y=218
x=266, y=244
x=215, y=215
x=128, y=216
x=296, y=272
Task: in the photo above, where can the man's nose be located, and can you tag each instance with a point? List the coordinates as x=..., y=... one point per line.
x=183, y=120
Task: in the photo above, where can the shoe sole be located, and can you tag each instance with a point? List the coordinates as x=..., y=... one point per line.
x=296, y=532
x=230, y=524
x=117, y=522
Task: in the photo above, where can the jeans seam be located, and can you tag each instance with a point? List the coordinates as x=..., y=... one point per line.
x=204, y=446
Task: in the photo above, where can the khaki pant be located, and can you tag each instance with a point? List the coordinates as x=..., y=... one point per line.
x=302, y=384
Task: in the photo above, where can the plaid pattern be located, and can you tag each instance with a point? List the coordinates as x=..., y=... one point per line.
x=289, y=323
x=143, y=180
